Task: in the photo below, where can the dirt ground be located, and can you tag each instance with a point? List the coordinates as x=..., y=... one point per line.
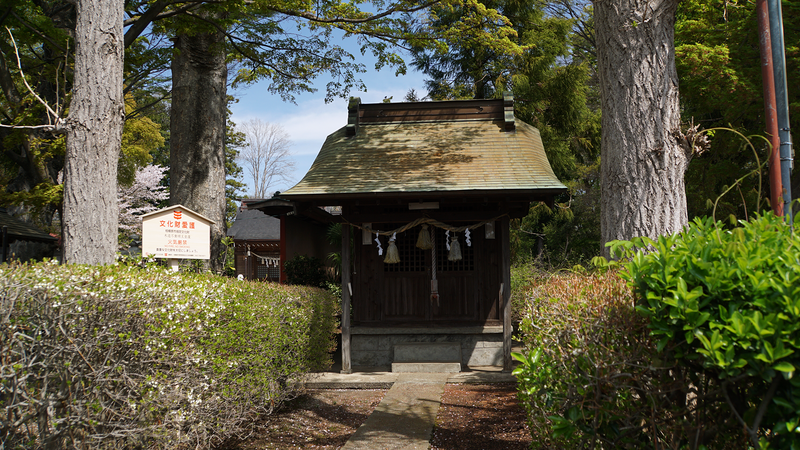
x=470, y=417
x=484, y=417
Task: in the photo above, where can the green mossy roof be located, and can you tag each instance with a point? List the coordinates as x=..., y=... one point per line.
x=436, y=156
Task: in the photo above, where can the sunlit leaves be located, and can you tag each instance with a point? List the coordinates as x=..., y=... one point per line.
x=140, y=137
x=729, y=297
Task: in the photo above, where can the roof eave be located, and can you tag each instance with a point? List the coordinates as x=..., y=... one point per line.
x=325, y=199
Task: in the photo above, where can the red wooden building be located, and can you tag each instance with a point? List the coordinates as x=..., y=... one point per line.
x=458, y=169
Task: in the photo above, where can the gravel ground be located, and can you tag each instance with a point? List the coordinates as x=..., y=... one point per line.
x=471, y=417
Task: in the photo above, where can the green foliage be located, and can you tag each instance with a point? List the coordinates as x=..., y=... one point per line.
x=176, y=360
x=230, y=256
x=234, y=187
x=728, y=301
x=287, y=44
x=334, y=237
x=41, y=196
x=717, y=50
x=291, y=44
x=304, y=270
x=44, y=193
x=552, y=92
x=550, y=88
x=523, y=276
x=140, y=137
x=567, y=234
x=590, y=375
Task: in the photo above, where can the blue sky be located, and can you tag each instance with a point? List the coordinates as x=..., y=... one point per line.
x=311, y=120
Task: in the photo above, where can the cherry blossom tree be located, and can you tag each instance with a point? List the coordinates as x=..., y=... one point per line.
x=138, y=199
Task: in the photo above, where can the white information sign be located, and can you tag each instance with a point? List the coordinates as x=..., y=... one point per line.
x=176, y=233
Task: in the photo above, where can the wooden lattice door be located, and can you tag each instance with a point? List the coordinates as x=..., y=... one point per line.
x=407, y=284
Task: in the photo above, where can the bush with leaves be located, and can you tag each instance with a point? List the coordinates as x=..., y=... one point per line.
x=592, y=377
x=727, y=302
x=129, y=357
x=305, y=271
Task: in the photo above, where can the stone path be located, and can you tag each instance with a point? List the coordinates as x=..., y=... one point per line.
x=405, y=417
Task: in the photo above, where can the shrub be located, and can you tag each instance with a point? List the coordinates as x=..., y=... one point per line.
x=727, y=303
x=305, y=271
x=592, y=377
x=529, y=277
x=123, y=357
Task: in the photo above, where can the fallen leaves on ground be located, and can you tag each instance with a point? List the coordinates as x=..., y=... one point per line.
x=470, y=417
x=319, y=419
x=484, y=417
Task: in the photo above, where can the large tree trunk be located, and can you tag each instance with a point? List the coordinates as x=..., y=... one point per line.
x=642, y=164
x=197, y=132
x=94, y=134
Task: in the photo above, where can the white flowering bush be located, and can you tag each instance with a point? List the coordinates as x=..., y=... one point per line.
x=128, y=357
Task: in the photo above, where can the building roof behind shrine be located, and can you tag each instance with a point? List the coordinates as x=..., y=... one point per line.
x=252, y=224
x=451, y=147
x=18, y=229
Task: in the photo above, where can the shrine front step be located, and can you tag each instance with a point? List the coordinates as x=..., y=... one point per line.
x=427, y=357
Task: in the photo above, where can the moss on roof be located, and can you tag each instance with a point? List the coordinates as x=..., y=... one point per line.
x=435, y=156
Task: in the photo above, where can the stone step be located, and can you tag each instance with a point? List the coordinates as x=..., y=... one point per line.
x=426, y=367
x=423, y=352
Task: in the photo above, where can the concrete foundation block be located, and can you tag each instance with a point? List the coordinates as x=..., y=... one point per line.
x=427, y=352
x=484, y=356
x=371, y=358
x=362, y=343
x=382, y=347
x=428, y=367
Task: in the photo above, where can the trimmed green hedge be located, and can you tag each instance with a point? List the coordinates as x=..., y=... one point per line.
x=124, y=357
x=700, y=354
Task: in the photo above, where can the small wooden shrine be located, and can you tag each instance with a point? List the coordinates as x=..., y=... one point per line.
x=426, y=192
x=257, y=244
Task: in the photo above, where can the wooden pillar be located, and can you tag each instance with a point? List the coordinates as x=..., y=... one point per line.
x=505, y=293
x=346, y=366
x=284, y=255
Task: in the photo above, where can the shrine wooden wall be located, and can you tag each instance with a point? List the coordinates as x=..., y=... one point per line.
x=401, y=293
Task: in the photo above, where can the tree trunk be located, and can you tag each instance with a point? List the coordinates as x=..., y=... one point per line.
x=94, y=133
x=197, y=132
x=642, y=164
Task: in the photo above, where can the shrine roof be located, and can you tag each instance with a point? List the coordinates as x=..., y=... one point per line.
x=429, y=147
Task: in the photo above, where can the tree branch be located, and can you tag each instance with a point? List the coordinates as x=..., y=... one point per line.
x=31, y=127
x=156, y=12
x=762, y=409
x=232, y=39
x=136, y=111
x=314, y=18
x=55, y=115
x=140, y=23
x=38, y=33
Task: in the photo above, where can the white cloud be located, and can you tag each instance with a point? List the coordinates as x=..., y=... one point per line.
x=312, y=123
x=311, y=120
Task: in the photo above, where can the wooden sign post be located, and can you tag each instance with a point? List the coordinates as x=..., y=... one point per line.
x=176, y=233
